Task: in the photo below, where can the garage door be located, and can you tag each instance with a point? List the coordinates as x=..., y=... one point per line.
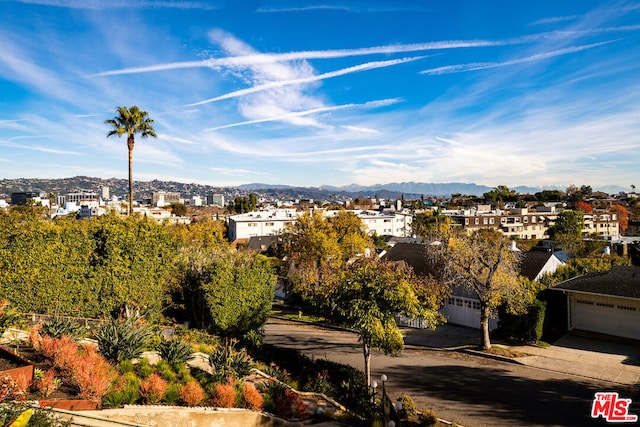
x=465, y=312
x=606, y=315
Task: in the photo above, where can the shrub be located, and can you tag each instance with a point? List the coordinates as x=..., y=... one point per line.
x=144, y=368
x=289, y=405
x=153, y=388
x=172, y=395
x=225, y=394
x=408, y=406
x=123, y=339
x=175, y=352
x=251, y=397
x=57, y=326
x=226, y=361
x=125, y=391
x=34, y=337
x=191, y=393
x=428, y=418
x=11, y=389
x=92, y=374
x=163, y=369
x=320, y=384
x=46, y=382
x=62, y=351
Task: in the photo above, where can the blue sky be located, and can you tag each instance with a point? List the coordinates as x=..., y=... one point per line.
x=325, y=92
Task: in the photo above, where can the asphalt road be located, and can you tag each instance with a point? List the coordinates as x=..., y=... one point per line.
x=470, y=390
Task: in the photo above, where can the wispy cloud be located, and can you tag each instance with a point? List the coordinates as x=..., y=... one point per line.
x=119, y=4
x=460, y=68
x=266, y=58
x=237, y=172
x=371, y=104
x=272, y=85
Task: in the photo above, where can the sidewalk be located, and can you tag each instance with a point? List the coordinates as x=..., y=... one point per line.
x=576, y=353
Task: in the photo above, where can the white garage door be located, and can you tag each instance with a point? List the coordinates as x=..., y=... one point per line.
x=606, y=315
x=465, y=312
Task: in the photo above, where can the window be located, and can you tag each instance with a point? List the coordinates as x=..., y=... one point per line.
x=459, y=302
x=582, y=301
x=604, y=304
x=525, y=219
x=626, y=307
x=467, y=304
x=533, y=219
x=491, y=220
x=477, y=221
x=485, y=221
x=270, y=224
x=466, y=221
x=476, y=305
x=252, y=224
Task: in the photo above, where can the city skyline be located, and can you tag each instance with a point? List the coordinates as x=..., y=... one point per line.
x=324, y=93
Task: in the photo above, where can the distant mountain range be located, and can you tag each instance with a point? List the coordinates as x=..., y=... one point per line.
x=388, y=191
x=413, y=189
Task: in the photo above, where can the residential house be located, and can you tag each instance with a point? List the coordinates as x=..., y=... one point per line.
x=462, y=307
x=604, y=302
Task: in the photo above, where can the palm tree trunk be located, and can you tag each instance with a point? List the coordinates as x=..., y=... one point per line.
x=130, y=142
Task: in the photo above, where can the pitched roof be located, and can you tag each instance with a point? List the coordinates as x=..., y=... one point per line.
x=262, y=243
x=413, y=254
x=532, y=263
x=620, y=281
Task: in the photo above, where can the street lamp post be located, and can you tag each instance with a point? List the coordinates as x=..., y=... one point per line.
x=385, y=416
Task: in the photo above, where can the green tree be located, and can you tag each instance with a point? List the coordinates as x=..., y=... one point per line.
x=131, y=121
x=568, y=222
x=483, y=263
x=317, y=247
x=366, y=296
x=227, y=292
x=429, y=222
x=178, y=209
x=501, y=194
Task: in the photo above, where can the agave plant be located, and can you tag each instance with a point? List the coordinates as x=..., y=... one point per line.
x=58, y=326
x=175, y=352
x=123, y=339
x=226, y=361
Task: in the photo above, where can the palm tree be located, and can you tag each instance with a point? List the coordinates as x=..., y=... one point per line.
x=131, y=120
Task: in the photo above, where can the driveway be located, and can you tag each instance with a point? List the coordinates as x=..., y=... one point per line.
x=467, y=389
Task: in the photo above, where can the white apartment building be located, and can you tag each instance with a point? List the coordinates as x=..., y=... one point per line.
x=273, y=221
x=531, y=224
x=260, y=223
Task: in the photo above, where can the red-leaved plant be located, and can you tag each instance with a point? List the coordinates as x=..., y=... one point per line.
x=251, y=397
x=191, y=393
x=225, y=394
x=290, y=405
x=153, y=388
x=92, y=374
x=85, y=367
x=46, y=382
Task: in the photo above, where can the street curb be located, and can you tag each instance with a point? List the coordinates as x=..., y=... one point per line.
x=491, y=356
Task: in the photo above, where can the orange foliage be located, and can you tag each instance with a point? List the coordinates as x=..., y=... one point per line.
x=251, y=397
x=584, y=207
x=191, y=393
x=623, y=217
x=225, y=395
x=153, y=388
